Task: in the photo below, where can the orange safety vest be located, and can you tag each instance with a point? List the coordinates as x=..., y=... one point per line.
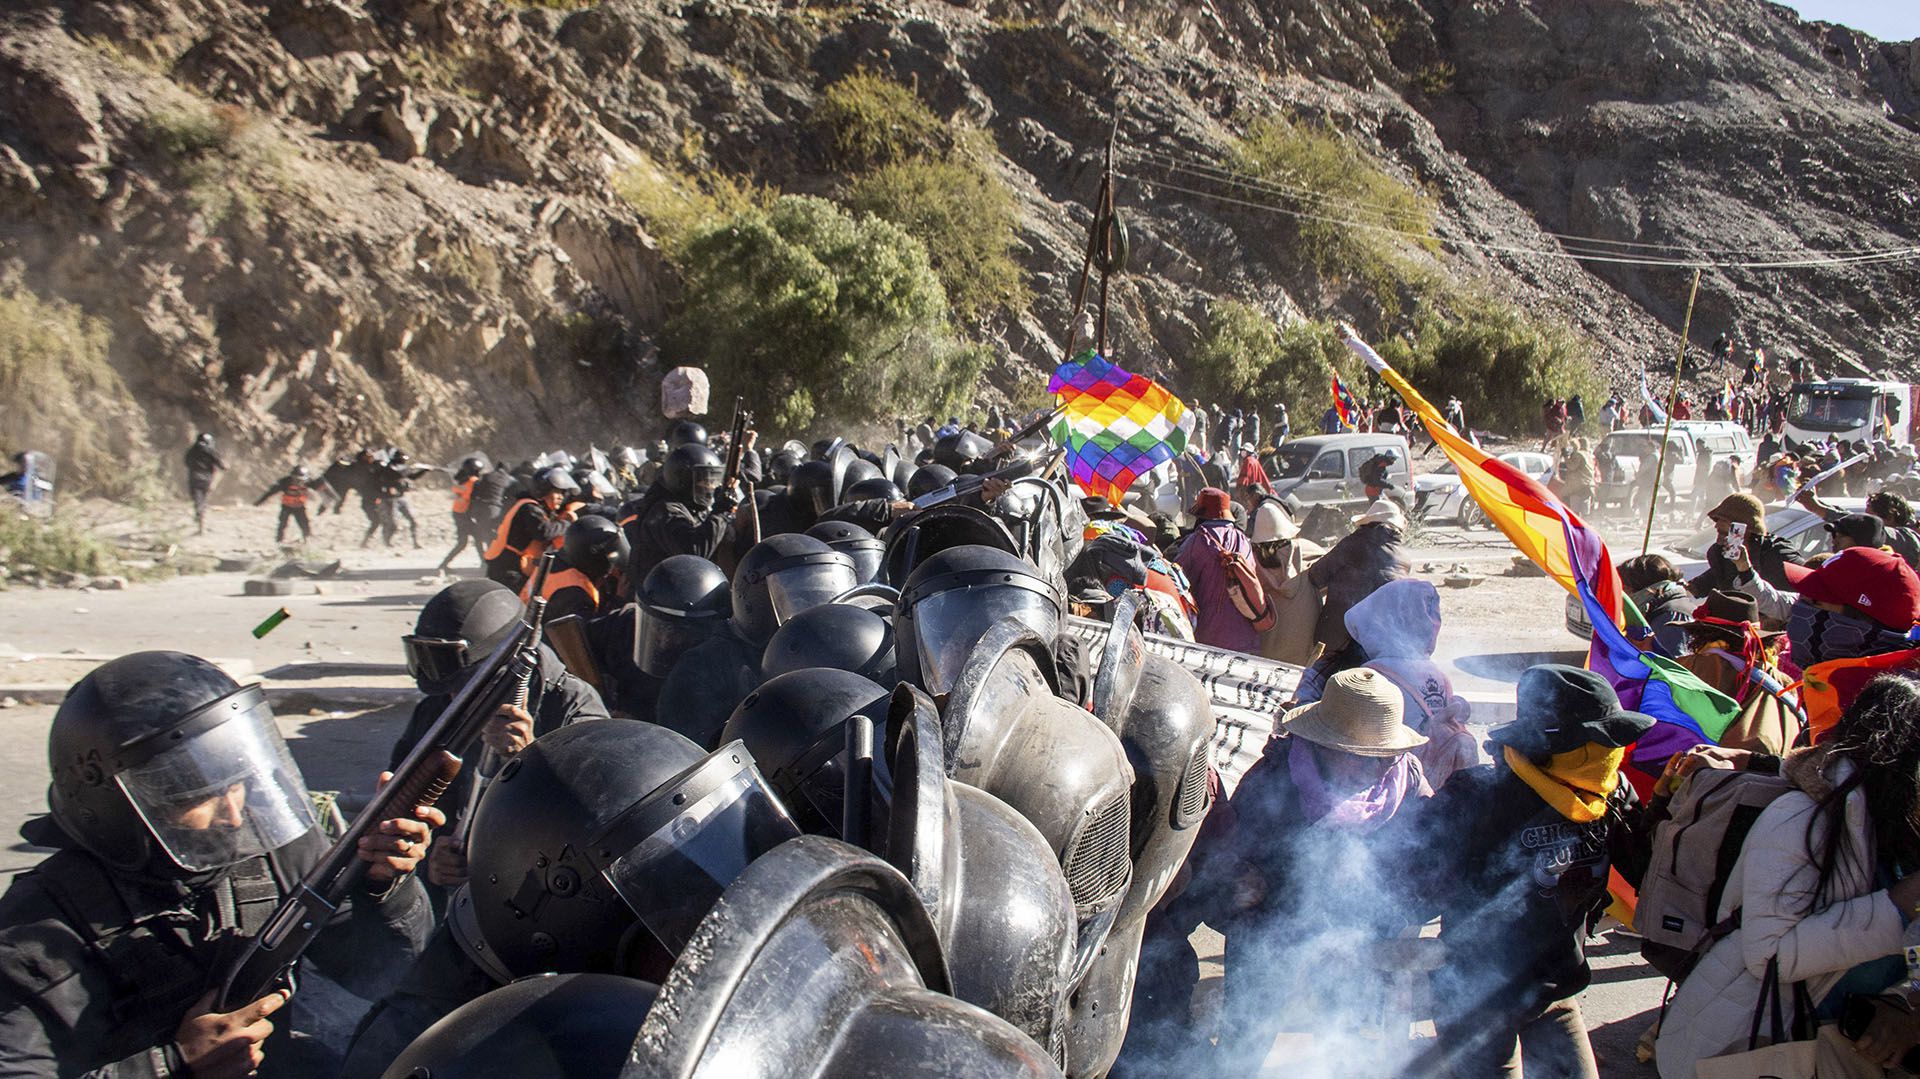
x=463, y=495
x=529, y=555
x=563, y=578
x=294, y=496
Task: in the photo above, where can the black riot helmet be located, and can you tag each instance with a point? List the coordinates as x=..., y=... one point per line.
x=687, y=433
x=460, y=626
x=595, y=546
x=780, y=467
x=551, y=1026
x=811, y=492
x=838, y=635
x=859, y=470
x=683, y=600
x=868, y=553
x=162, y=763
x=795, y=725
x=930, y=531
x=692, y=473
x=822, y=961
x=930, y=478
x=964, y=452
x=605, y=843
x=783, y=575
x=870, y=488
x=470, y=466
x=555, y=479
x=953, y=597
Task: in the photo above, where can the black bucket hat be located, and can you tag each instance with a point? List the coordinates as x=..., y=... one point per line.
x=1561, y=708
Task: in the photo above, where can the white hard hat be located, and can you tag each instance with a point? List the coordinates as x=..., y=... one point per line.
x=1383, y=511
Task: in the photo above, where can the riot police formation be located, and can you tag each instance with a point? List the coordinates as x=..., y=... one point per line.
x=861, y=805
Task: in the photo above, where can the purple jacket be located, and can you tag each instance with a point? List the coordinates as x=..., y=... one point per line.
x=1218, y=623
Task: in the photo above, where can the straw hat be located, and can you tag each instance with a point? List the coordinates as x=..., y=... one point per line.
x=1359, y=713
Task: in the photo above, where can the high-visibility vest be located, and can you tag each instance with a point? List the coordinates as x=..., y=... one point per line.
x=530, y=554
x=463, y=495
x=294, y=496
x=563, y=578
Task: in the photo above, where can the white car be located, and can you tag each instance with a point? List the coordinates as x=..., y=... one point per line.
x=1800, y=527
x=1440, y=496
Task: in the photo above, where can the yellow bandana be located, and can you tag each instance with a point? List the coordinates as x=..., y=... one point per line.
x=1575, y=783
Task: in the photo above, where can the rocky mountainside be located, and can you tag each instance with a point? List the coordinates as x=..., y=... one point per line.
x=307, y=224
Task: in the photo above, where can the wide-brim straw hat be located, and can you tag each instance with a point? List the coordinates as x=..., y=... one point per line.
x=1360, y=713
x=1382, y=511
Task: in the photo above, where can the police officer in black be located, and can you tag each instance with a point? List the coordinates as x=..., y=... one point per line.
x=387, y=494
x=202, y=463
x=180, y=821
x=684, y=512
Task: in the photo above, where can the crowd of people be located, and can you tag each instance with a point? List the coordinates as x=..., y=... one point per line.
x=749, y=650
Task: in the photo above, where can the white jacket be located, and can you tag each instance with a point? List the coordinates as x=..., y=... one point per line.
x=1772, y=882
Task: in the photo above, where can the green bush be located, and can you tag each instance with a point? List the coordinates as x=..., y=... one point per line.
x=869, y=120
x=1500, y=362
x=1345, y=200
x=678, y=203
x=1244, y=361
x=52, y=547
x=966, y=219
x=810, y=312
x=59, y=393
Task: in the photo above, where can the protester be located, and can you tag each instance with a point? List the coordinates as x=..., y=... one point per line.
x=1280, y=554
x=1515, y=857
x=1768, y=553
x=1252, y=484
x=1728, y=650
x=1824, y=891
x=1306, y=857
x=1207, y=557
x=1653, y=585
x=1397, y=628
x=1366, y=558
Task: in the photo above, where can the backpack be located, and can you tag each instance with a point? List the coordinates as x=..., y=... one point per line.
x=1694, y=848
x=1249, y=596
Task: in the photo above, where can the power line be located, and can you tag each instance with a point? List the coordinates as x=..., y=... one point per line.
x=1864, y=257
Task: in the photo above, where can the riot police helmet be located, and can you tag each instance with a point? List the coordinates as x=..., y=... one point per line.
x=953, y=597
x=554, y=480
x=858, y=470
x=780, y=467
x=470, y=466
x=601, y=845
x=300, y=474
x=629, y=457
x=595, y=546
x=549, y=1026
x=838, y=635
x=687, y=433
x=868, y=553
x=459, y=627
x=162, y=763
x=930, y=478
x=795, y=725
x=963, y=452
x=692, y=473
x=811, y=490
x=783, y=575
x=683, y=600
x=870, y=488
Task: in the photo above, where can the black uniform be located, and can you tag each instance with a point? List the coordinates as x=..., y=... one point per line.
x=385, y=500
x=202, y=463
x=705, y=686
x=531, y=524
x=872, y=514
x=99, y=967
x=343, y=477
x=658, y=526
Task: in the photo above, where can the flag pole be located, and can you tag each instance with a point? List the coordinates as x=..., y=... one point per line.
x=1673, y=400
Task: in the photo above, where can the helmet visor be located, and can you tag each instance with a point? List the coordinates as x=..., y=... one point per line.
x=434, y=660
x=672, y=854
x=223, y=788
x=867, y=557
x=809, y=585
x=946, y=625
x=661, y=639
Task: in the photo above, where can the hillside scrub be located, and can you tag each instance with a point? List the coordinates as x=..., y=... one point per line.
x=965, y=218
x=1245, y=361
x=833, y=316
x=1500, y=362
x=870, y=121
x=51, y=547
x=59, y=393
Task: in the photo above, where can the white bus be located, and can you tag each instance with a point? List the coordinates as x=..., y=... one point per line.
x=1854, y=409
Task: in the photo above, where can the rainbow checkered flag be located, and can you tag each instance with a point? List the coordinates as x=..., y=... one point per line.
x=1115, y=425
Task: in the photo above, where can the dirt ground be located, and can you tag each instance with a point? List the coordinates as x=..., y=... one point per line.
x=335, y=674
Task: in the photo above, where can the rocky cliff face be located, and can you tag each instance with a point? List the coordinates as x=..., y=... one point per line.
x=312, y=223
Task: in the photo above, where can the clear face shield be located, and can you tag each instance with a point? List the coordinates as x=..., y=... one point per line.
x=660, y=639
x=810, y=584
x=674, y=852
x=219, y=788
x=433, y=661
x=948, y=624
x=706, y=485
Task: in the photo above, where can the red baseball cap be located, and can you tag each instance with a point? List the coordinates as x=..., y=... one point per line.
x=1876, y=583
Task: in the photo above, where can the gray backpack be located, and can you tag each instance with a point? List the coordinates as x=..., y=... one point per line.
x=1694, y=849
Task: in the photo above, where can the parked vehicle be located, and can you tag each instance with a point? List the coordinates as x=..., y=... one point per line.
x=1440, y=496
x=1799, y=526
x=1854, y=409
x=1622, y=456
x=1324, y=470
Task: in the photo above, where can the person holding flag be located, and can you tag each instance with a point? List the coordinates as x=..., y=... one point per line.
x=1345, y=409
